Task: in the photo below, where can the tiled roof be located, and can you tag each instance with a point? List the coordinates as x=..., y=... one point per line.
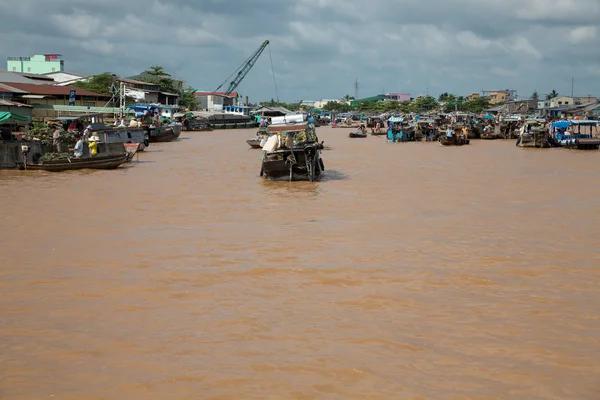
x=51, y=89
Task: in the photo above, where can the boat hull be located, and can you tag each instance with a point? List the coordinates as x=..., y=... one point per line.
x=166, y=134
x=98, y=162
x=308, y=164
x=254, y=143
x=538, y=141
x=445, y=141
x=357, y=135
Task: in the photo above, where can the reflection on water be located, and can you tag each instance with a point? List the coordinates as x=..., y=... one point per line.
x=409, y=270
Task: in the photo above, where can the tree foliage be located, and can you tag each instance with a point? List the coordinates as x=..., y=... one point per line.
x=188, y=100
x=535, y=95
x=158, y=76
x=552, y=95
x=337, y=106
x=98, y=83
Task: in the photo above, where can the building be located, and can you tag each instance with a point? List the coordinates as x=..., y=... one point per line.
x=562, y=101
x=214, y=101
x=397, y=96
x=543, y=104
x=521, y=106
x=50, y=101
x=472, y=96
x=321, y=103
x=37, y=64
x=500, y=96
x=586, y=99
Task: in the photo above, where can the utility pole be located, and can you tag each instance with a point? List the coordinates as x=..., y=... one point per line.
x=572, y=85
x=356, y=89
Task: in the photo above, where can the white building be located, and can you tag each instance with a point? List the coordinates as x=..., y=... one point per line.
x=321, y=103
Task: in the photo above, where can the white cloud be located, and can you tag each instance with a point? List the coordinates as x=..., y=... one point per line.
x=582, y=34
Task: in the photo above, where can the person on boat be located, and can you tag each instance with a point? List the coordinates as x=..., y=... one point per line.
x=133, y=123
x=93, y=145
x=56, y=135
x=72, y=126
x=78, y=149
x=449, y=132
x=377, y=127
x=87, y=132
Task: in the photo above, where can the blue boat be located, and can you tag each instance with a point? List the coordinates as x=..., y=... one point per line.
x=569, y=134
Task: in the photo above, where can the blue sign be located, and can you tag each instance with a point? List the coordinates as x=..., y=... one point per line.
x=72, y=97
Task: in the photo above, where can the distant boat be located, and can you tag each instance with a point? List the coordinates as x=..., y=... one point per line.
x=357, y=135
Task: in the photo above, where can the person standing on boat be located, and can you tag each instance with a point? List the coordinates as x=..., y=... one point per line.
x=87, y=132
x=449, y=132
x=78, y=149
x=55, y=136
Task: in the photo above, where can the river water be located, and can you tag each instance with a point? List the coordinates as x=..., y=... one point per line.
x=410, y=271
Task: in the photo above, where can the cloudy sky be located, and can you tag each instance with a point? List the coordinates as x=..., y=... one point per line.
x=319, y=47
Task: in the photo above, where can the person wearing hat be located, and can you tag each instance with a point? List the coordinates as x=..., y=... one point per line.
x=78, y=149
x=93, y=145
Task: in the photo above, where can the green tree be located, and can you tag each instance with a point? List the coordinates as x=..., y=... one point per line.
x=477, y=104
x=157, y=75
x=188, y=100
x=422, y=104
x=98, y=83
x=336, y=106
x=347, y=98
x=535, y=95
x=552, y=95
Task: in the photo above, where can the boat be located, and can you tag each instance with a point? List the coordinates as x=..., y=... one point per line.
x=533, y=135
x=191, y=122
x=457, y=139
x=131, y=149
x=111, y=134
x=357, y=135
x=509, y=127
x=108, y=161
x=399, y=130
x=164, y=133
x=259, y=140
x=564, y=134
x=292, y=151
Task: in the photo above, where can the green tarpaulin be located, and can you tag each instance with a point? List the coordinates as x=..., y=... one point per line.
x=5, y=115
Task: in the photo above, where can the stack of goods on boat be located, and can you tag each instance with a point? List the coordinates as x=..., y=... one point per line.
x=534, y=134
x=292, y=150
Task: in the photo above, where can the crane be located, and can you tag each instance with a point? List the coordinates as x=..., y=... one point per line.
x=242, y=70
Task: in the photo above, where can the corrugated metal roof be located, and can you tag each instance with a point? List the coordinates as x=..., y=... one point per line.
x=4, y=102
x=9, y=89
x=52, y=89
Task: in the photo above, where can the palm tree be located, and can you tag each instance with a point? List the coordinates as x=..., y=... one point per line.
x=535, y=95
x=552, y=95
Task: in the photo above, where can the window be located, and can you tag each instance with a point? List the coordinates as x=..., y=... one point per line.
x=53, y=69
x=28, y=69
x=14, y=69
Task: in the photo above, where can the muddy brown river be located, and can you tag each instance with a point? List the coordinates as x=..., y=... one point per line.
x=409, y=271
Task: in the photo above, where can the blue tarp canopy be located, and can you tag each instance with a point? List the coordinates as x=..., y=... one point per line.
x=585, y=122
x=561, y=124
x=396, y=119
x=488, y=116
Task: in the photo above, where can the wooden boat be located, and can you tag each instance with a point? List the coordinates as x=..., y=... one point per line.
x=254, y=143
x=164, y=133
x=299, y=155
x=357, y=135
x=131, y=149
x=109, y=161
x=457, y=138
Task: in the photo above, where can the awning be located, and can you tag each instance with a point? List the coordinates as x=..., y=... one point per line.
x=33, y=96
x=561, y=124
x=5, y=115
